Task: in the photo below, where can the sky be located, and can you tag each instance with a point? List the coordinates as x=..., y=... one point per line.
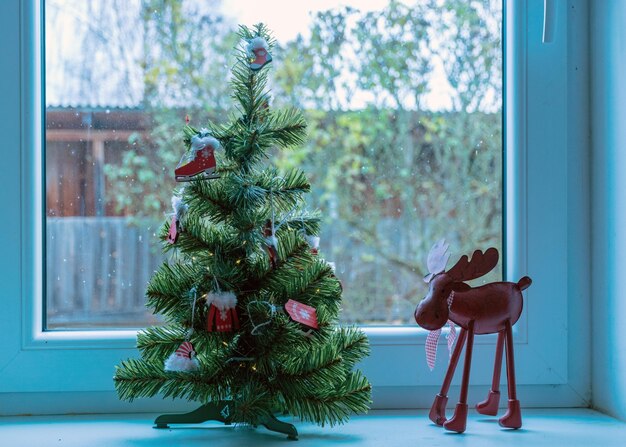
x=289, y=17
x=67, y=19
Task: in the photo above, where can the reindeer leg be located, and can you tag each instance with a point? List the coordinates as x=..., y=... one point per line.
x=458, y=421
x=489, y=406
x=438, y=410
x=513, y=416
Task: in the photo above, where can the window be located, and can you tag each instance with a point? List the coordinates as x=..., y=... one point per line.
x=542, y=169
x=404, y=103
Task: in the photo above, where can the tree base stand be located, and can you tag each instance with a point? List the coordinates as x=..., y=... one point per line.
x=221, y=411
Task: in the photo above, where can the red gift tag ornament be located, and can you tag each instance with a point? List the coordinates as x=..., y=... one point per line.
x=183, y=359
x=222, y=315
x=301, y=313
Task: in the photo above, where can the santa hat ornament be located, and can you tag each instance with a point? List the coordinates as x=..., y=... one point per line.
x=257, y=49
x=184, y=359
x=222, y=315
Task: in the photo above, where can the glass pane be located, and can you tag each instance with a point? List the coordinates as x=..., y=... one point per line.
x=404, y=105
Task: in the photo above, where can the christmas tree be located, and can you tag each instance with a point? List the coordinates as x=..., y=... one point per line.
x=250, y=307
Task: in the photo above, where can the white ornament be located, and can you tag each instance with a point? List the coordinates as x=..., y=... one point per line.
x=271, y=241
x=178, y=363
x=222, y=300
x=179, y=207
x=313, y=241
x=204, y=139
x=183, y=359
x=256, y=44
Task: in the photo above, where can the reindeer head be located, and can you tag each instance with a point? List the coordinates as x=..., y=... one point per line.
x=432, y=312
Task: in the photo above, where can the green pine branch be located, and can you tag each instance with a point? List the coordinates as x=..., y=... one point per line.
x=259, y=29
x=352, y=344
x=251, y=191
x=332, y=405
x=213, y=349
x=158, y=342
x=249, y=92
x=342, y=348
x=253, y=402
x=286, y=128
x=200, y=238
x=137, y=378
x=309, y=281
x=168, y=290
x=207, y=200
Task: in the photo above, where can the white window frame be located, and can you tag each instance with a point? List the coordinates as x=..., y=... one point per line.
x=547, y=236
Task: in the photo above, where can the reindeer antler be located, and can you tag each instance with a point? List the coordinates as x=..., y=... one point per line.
x=437, y=259
x=481, y=264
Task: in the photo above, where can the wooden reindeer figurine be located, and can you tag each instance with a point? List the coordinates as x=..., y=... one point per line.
x=491, y=308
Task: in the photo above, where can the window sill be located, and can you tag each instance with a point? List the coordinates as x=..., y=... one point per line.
x=542, y=427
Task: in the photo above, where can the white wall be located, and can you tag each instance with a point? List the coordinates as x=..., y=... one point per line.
x=608, y=103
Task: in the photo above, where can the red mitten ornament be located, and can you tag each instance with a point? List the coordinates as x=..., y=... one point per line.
x=258, y=51
x=180, y=208
x=172, y=235
x=222, y=315
x=184, y=359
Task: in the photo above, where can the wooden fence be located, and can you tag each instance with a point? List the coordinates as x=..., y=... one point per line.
x=98, y=268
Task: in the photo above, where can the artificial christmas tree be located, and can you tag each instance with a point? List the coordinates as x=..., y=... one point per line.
x=250, y=307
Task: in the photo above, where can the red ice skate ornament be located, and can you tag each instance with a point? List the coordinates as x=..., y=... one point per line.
x=258, y=51
x=200, y=160
x=488, y=309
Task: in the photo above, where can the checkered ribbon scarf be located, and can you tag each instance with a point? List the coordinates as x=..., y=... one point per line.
x=433, y=339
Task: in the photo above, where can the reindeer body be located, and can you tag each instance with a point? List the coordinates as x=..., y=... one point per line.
x=491, y=308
